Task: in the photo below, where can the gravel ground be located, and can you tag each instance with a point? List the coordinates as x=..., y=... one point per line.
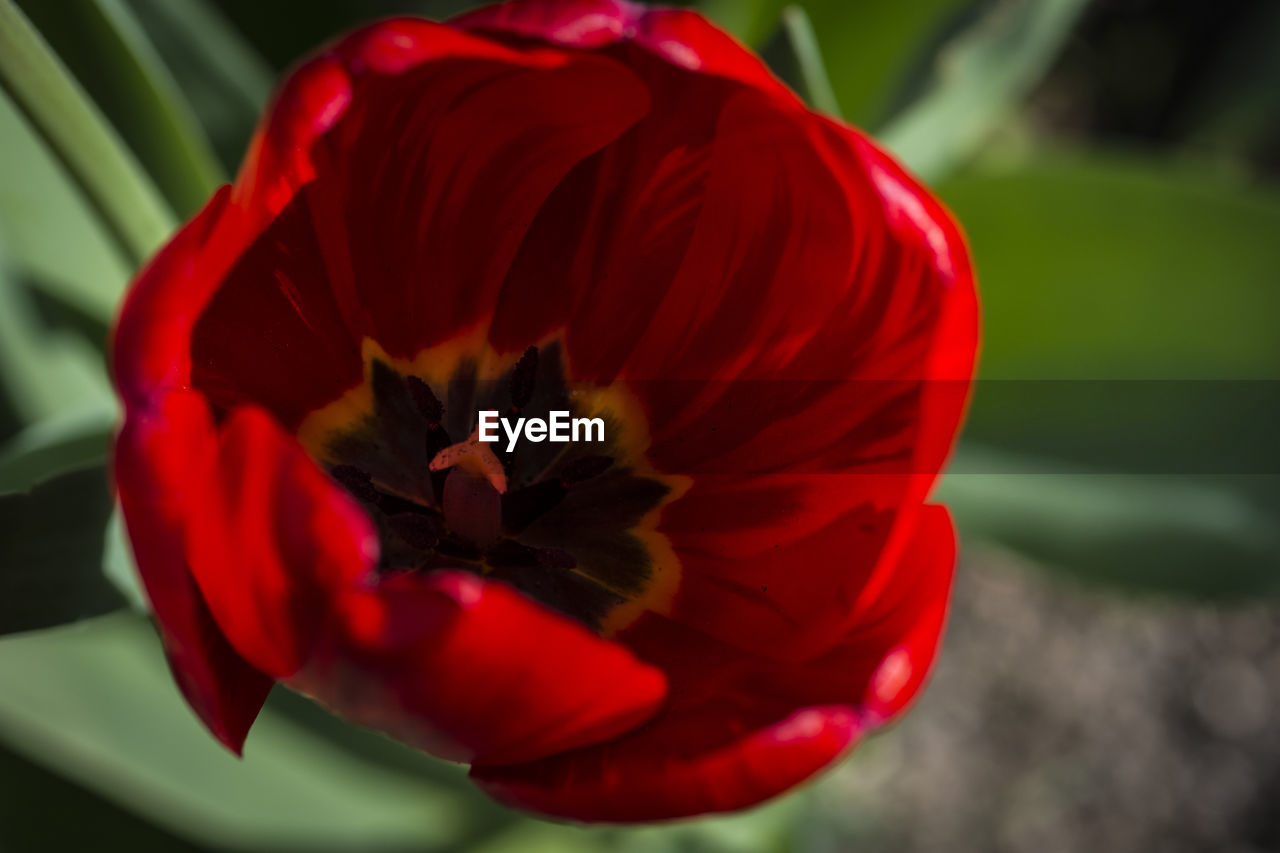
x=1070, y=718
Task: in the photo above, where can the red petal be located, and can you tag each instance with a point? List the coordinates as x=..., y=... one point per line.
x=152, y=350
x=636, y=781
x=271, y=540
x=152, y=463
x=273, y=333
x=808, y=307
x=151, y=340
x=625, y=217
x=898, y=619
x=472, y=670
x=773, y=563
x=739, y=728
x=852, y=386
x=680, y=216
x=412, y=214
x=683, y=38
x=917, y=218
x=312, y=99
x=375, y=231
x=433, y=221
x=576, y=23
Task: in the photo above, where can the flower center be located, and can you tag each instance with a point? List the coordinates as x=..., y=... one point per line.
x=572, y=524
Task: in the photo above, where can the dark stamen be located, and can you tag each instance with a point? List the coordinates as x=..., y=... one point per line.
x=525, y=506
x=522, y=378
x=437, y=440
x=456, y=550
x=556, y=558
x=584, y=468
x=395, y=505
x=417, y=531
x=355, y=481
x=426, y=401
x=509, y=554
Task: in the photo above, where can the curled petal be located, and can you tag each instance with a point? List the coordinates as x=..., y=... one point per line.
x=154, y=454
x=309, y=103
x=271, y=541
x=473, y=670
x=151, y=339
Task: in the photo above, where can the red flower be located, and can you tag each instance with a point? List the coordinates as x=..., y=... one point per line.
x=583, y=205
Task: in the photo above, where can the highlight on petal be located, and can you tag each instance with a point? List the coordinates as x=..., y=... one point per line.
x=579, y=23
x=279, y=161
x=683, y=38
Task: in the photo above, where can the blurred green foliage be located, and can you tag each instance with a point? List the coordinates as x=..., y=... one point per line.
x=107, y=50
x=1096, y=266
x=1172, y=277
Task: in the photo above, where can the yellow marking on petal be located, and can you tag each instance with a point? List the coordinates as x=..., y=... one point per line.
x=621, y=407
x=435, y=365
x=618, y=404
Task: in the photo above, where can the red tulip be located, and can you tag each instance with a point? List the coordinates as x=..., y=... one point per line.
x=586, y=206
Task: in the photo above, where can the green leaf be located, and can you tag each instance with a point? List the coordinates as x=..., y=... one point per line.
x=869, y=47
x=103, y=44
x=97, y=703
x=49, y=235
x=979, y=77
x=1129, y=373
x=118, y=564
x=793, y=54
x=220, y=74
x=104, y=170
x=1112, y=267
x=42, y=376
x=53, y=447
x=60, y=313
x=43, y=811
x=1187, y=535
x=52, y=539
x=51, y=243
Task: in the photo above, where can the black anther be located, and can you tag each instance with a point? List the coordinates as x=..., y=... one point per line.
x=522, y=379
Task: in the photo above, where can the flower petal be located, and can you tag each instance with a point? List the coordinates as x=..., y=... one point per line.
x=473, y=670
x=330, y=129
x=739, y=728
x=270, y=538
x=150, y=341
x=898, y=620
x=683, y=38
x=417, y=201
x=433, y=221
x=637, y=780
x=811, y=427
x=152, y=465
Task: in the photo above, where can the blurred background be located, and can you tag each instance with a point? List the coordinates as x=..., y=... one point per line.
x=1110, y=678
